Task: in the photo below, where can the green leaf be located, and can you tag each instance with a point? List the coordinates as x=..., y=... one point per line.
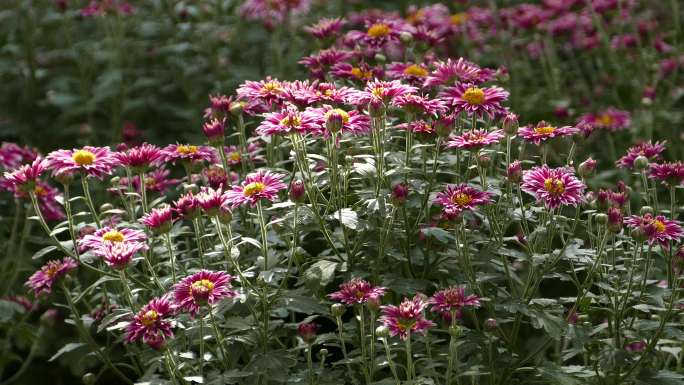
x=44, y=251
x=348, y=217
x=66, y=349
x=322, y=271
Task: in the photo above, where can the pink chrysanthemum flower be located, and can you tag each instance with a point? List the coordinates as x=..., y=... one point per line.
x=140, y=157
x=476, y=100
x=418, y=104
x=219, y=107
x=159, y=220
x=451, y=71
x=406, y=318
x=300, y=93
x=233, y=155
x=42, y=280
x=211, y=200
x=256, y=186
x=13, y=156
x=652, y=151
x=379, y=91
x=321, y=62
x=99, y=238
x=380, y=32
x=344, y=121
x=475, y=139
x=656, y=228
x=214, y=130
x=118, y=255
x=452, y=299
x=553, y=186
x=156, y=181
x=330, y=93
x=670, y=173
x=152, y=323
x=358, y=291
x=92, y=161
x=544, y=131
x=202, y=288
x=188, y=153
x=286, y=121
x=361, y=72
x=611, y=119
x=418, y=126
x=457, y=198
x=187, y=206
x=326, y=28
x=409, y=72
x=267, y=92
x=25, y=177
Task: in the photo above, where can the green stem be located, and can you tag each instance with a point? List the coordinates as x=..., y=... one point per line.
x=390, y=361
x=309, y=363
x=219, y=337
x=201, y=346
x=126, y=289
x=350, y=373
x=409, y=357
x=169, y=249
x=143, y=192
x=89, y=201
x=264, y=234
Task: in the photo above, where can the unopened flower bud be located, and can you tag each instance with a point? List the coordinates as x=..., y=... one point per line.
x=297, y=191
x=641, y=162
x=514, y=172
x=237, y=108
x=484, y=160
x=380, y=58
x=50, y=317
x=601, y=219
x=615, y=218
x=335, y=119
x=214, y=130
x=587, y=168
x=376, y=109
x=490, y=323
x=190, y=188
x=638, y=235
x=510, y=123
x=225, y=216
x=89, y=379
x=323, y=353
x=382, y=331
x=308, y=332
x=454, y=331
x=106, y=207
x=399, y=193
x=646, y=210
x=337, y=309
x=444, y=126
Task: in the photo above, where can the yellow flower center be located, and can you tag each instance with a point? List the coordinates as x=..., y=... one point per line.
x=201, y=286
x=461, y=199
x=546, y=130
x=379, y=30
x=458, y=18
x=659, y=226
x=378, y=92
x=39, y=190
x=606, y=120
x=554, y=185
x=343, y=113
x=113, y=236
x=253, y=188
x=186, y=149
x=51, y=270
x=149, y=181
x=83, y=157
x=234, y=156
x=271, y=87
x=291, y=121
x=474, y=95
x=361, y=74
x=149, y=317
x=415, y=70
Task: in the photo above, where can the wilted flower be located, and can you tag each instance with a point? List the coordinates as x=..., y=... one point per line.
x=256, y=186
x=152, y=323
x=202, y=288
x=91, y=161
x=656, y=228
x=357, y=291
x=406, y=318
x=553, y=186
x=543, y=131
x=42, y=280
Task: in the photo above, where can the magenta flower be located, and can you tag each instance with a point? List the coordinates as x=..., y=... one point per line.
x=13, y=156
x=611, y=119
x=187, y=206
x=457, y=198
x=475, y=100
x=118, y=255
x=188, y=153
x=202, y=288
x=211, y=200
x=157, y=181
x=418, y=104
x=655, y=228
x=91, y=161
x=446, y=73
x=326, y=28
x=287, y=121
x=358, y=291
x=553, y=186
x=652, y=151
x=475, y=139
x=452, y=299
x=380, y=32
x=219, y=107
x=159, y=220
x=152, y=323
x=327, y=117
x=418, y=126
x=214, y=130
x=409, y=72
x=97, y=240
x=406, y=318
x=140, y=157
x=42, y=280
x=362, y=72
x=379, y=92
x=543, y=131
x=256, y=186
x=265, y=92
x=670, y=173
x=307, y=330
x=25, y=177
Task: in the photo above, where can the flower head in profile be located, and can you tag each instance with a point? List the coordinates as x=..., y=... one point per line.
x=326, y=28
x=670, y=173
x=140, y=157
x=380, y=92
x=188, y=153
x=307, y=330
x=357, y=291
x=159, y=220
x=475, y=139
x=611, y=119
x=418, y=104
x=450, y=71
x=656, y=228
x=266, y=92
x=187, y=206
x=406, y=318
x=543, y=131
x=475, y=100
x=118, y=255
x=42, y=280
x=288, y=120
x=554, y=187
x=329, y=119
x=452, y=300
x=25, y=178
x=91, y=161
x=211, y=200
x=152, y=323
x=202, y=288
x=458, y=198
x=652, y=151
x=97, y=240
x=256, y=186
